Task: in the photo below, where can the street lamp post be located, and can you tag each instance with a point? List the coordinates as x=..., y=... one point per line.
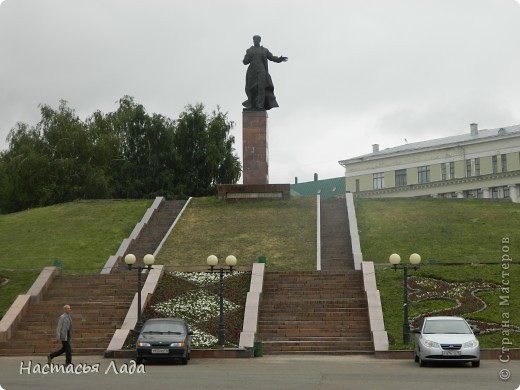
x=212, y=261
x=415, y=260
x=148, y=260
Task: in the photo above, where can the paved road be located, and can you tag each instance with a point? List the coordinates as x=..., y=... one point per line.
x=268, y=372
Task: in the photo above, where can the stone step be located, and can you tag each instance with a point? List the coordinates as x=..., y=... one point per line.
x=322, y=312
x=337, y=344
x=45, y=350
x=341, y=348
x=313, y=316
x=314, y=306
x=329, y=323
x=355, y=337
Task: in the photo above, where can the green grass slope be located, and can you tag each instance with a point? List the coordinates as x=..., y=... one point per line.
x=81, y=234
x=282, y=231
x=444, y=230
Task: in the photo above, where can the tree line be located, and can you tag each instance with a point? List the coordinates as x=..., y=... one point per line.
x=125, y=154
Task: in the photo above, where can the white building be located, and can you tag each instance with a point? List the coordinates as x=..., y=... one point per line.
x=479, y=164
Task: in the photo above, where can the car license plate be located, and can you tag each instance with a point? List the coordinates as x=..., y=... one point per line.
x=451, y=353
x=161, y=350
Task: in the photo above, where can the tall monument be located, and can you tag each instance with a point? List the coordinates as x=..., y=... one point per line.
x=260, y=98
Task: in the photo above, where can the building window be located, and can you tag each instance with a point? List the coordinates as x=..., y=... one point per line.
x=468, y=168
x=423, y=174
x=452, y=170
x=494, y=193
x=357, y=186
x=400, y=177
x=480, y=193
x=503, y=159
x=494, y=161
x=477, y=167
x=506, y=192
x=379, y=180
x=443, y=171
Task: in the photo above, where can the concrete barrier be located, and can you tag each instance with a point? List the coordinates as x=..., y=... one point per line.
x=12, y=318
x=247, y=336
x=375, y=310
x=125, y=244
x=42, y=283
x=354, y=233
x=118, y=339
x=20, y=306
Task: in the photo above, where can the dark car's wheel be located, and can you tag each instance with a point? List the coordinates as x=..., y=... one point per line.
x=475, y=364
x=184, y=361
x=139, y=360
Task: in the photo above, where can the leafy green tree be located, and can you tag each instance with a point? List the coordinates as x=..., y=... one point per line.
x=24, y=171
x=123, y=154
x=145, y=163
x=205, y=150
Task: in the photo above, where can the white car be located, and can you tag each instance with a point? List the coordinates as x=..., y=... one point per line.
x=446, y=339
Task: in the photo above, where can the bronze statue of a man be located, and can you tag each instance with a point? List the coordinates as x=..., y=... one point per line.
x=259, y=86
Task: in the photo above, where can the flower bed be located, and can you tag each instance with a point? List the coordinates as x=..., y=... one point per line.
x=194, y=297
x=463, y=295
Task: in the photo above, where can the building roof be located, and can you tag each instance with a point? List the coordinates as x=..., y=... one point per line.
x=327, y=188
x=479, y=136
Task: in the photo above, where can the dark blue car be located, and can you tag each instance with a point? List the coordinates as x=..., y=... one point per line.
x=164, y=338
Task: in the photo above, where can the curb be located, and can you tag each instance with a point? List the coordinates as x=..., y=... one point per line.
x=231, y=353
x=485, y=354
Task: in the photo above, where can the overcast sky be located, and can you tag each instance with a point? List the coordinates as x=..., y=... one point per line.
x=360, y=72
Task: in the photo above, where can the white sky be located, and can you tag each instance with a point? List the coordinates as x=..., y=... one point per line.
x=359, y=72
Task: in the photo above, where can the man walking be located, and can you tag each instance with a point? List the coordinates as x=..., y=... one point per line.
x=63, y=334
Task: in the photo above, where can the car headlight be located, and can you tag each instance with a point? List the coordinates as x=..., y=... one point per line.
x=430, y=344
x=181, y=344
x=141, y=344
x=470, y=344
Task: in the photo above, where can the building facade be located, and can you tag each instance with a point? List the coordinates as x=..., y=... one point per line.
x=479, y=164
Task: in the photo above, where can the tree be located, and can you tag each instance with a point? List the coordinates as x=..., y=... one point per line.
x=205, y=150
x=123, y=154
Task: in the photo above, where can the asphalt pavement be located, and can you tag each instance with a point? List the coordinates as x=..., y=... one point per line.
x=268, y=372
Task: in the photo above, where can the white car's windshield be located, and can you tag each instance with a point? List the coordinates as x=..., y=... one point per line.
x=446, y=326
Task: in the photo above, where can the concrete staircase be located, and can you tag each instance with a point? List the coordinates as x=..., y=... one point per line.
x=315, y=312
x=336, y=247
x=152, y=235
x=99, y=302
x=318, y=312
x=99, y=305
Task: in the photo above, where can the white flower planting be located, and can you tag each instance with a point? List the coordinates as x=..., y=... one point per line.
x=202, y=278
x=197, y=305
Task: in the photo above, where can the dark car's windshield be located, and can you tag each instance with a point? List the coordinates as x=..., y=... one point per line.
x=164, y=327
x=446, y=326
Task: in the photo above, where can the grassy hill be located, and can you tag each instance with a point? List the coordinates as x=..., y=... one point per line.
x=443, y=230
x=282, y=231
x=81, y=234
x=84, y=234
